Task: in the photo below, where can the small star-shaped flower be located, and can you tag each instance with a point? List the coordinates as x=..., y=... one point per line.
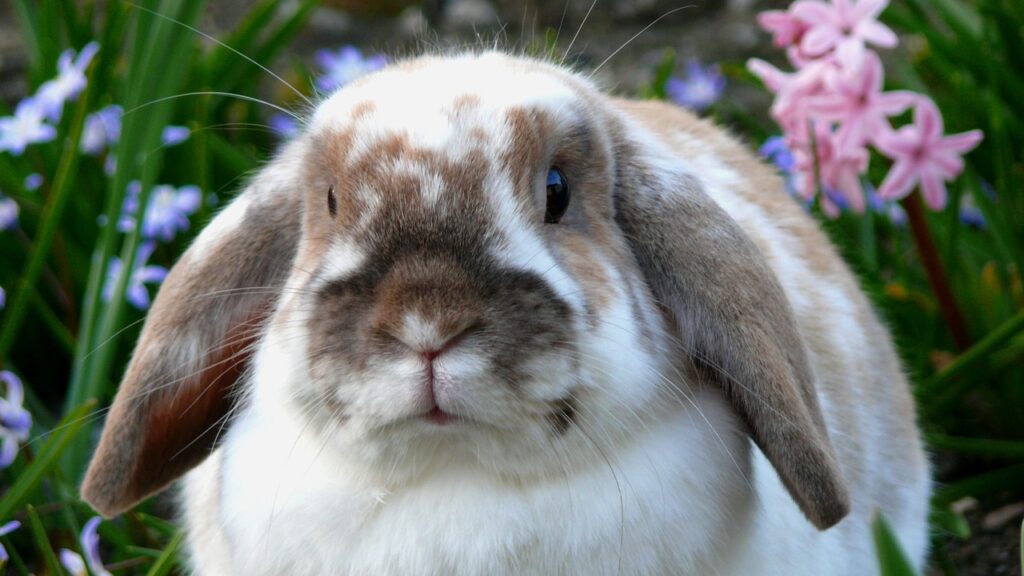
x=923, y=155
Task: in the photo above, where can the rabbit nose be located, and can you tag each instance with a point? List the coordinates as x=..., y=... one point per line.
x=431, y=339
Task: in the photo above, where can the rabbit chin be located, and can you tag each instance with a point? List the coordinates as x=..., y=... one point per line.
x=580, y=404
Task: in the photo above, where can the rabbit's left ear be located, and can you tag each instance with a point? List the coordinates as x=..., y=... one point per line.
x=734, y=319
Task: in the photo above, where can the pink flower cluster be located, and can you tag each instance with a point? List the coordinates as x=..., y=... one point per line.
x=832, y=109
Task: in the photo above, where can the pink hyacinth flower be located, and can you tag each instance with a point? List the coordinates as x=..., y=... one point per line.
x=857, y=102
x=785, y=28
x=792, y=89
x=923, y=155
x=844, y=26
x=839, y=170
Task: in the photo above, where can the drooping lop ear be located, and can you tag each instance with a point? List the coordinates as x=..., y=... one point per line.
x=734, y=318
x=179, y=388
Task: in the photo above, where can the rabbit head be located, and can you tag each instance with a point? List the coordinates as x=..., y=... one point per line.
x=469, y=258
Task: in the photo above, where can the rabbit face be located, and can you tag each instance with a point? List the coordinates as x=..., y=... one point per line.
x=437, y=304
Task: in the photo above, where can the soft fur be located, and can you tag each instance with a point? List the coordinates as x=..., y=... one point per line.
x=679, y=377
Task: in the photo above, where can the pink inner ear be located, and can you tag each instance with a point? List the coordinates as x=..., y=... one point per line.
x=183, y=425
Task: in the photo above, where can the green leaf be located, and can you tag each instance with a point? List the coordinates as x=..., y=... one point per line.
x=42, y=540
x=1008, y=478
x=1006, y=449
x=943, y=387
x=59, y=438
x=656, y=90
x=944, y=518
x=892, y=560
x=167, y=558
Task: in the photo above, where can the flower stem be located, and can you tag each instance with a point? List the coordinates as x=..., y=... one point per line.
x=936, y=272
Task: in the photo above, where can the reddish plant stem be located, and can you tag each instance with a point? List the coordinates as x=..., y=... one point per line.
x=936, y=271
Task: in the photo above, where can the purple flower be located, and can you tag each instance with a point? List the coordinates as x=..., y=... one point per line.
x=15, y=421
x=166, y=214
x=702, y=87
x=68, y=84
x=3, y=298
x=775, y=150
x=174, y=135
x=343, y=66
x=33, y=182
x=8, y=213
x=73, y=563
x=143, y=274
x=102, y=130
x=168, y=211
x=110, y=165
x=5, y=530
x=284, y=126
x=130, y=207
x=27, y=126
x=90, y=541
x=888, y=208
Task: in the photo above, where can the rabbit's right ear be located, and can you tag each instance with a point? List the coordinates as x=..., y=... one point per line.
x=178, y=390
x=729, y=311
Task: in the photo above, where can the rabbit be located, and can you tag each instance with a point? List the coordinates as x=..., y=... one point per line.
x=481, y=317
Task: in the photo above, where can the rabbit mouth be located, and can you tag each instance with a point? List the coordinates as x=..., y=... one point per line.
x=440, y=417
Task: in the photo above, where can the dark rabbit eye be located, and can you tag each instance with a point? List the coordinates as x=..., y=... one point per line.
x=332, y=202
x=558, y=196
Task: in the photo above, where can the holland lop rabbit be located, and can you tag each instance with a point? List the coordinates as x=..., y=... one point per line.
x=481, y=318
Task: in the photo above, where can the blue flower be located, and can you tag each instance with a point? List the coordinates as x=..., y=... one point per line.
x=68, y=84
x=136, y=293
x=166, y=214
x=174, y=135
x=702, y=87
x=168, y=211
x=90, y=542
x=33, y=181
x=775, y=150
x=5, y=530
x=970, y=214
x=102, y=130
x=27, y=126
x=343, y=66
x=284, y=125
x=3, y=298
x=15, y=421
x=891, y=209
x=8, y=213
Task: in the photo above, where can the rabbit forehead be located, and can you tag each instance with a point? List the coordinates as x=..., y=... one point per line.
x=425, y=98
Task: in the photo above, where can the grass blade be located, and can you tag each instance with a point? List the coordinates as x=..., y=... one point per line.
x=940, y=388
x=42, y=540
x=59, y=439
x=168, y=558
x=892, y=561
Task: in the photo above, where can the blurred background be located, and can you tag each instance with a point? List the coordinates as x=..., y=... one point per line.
x=87, y=230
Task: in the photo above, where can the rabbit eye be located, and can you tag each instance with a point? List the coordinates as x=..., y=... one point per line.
x=558, y=196
x=332, y=202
